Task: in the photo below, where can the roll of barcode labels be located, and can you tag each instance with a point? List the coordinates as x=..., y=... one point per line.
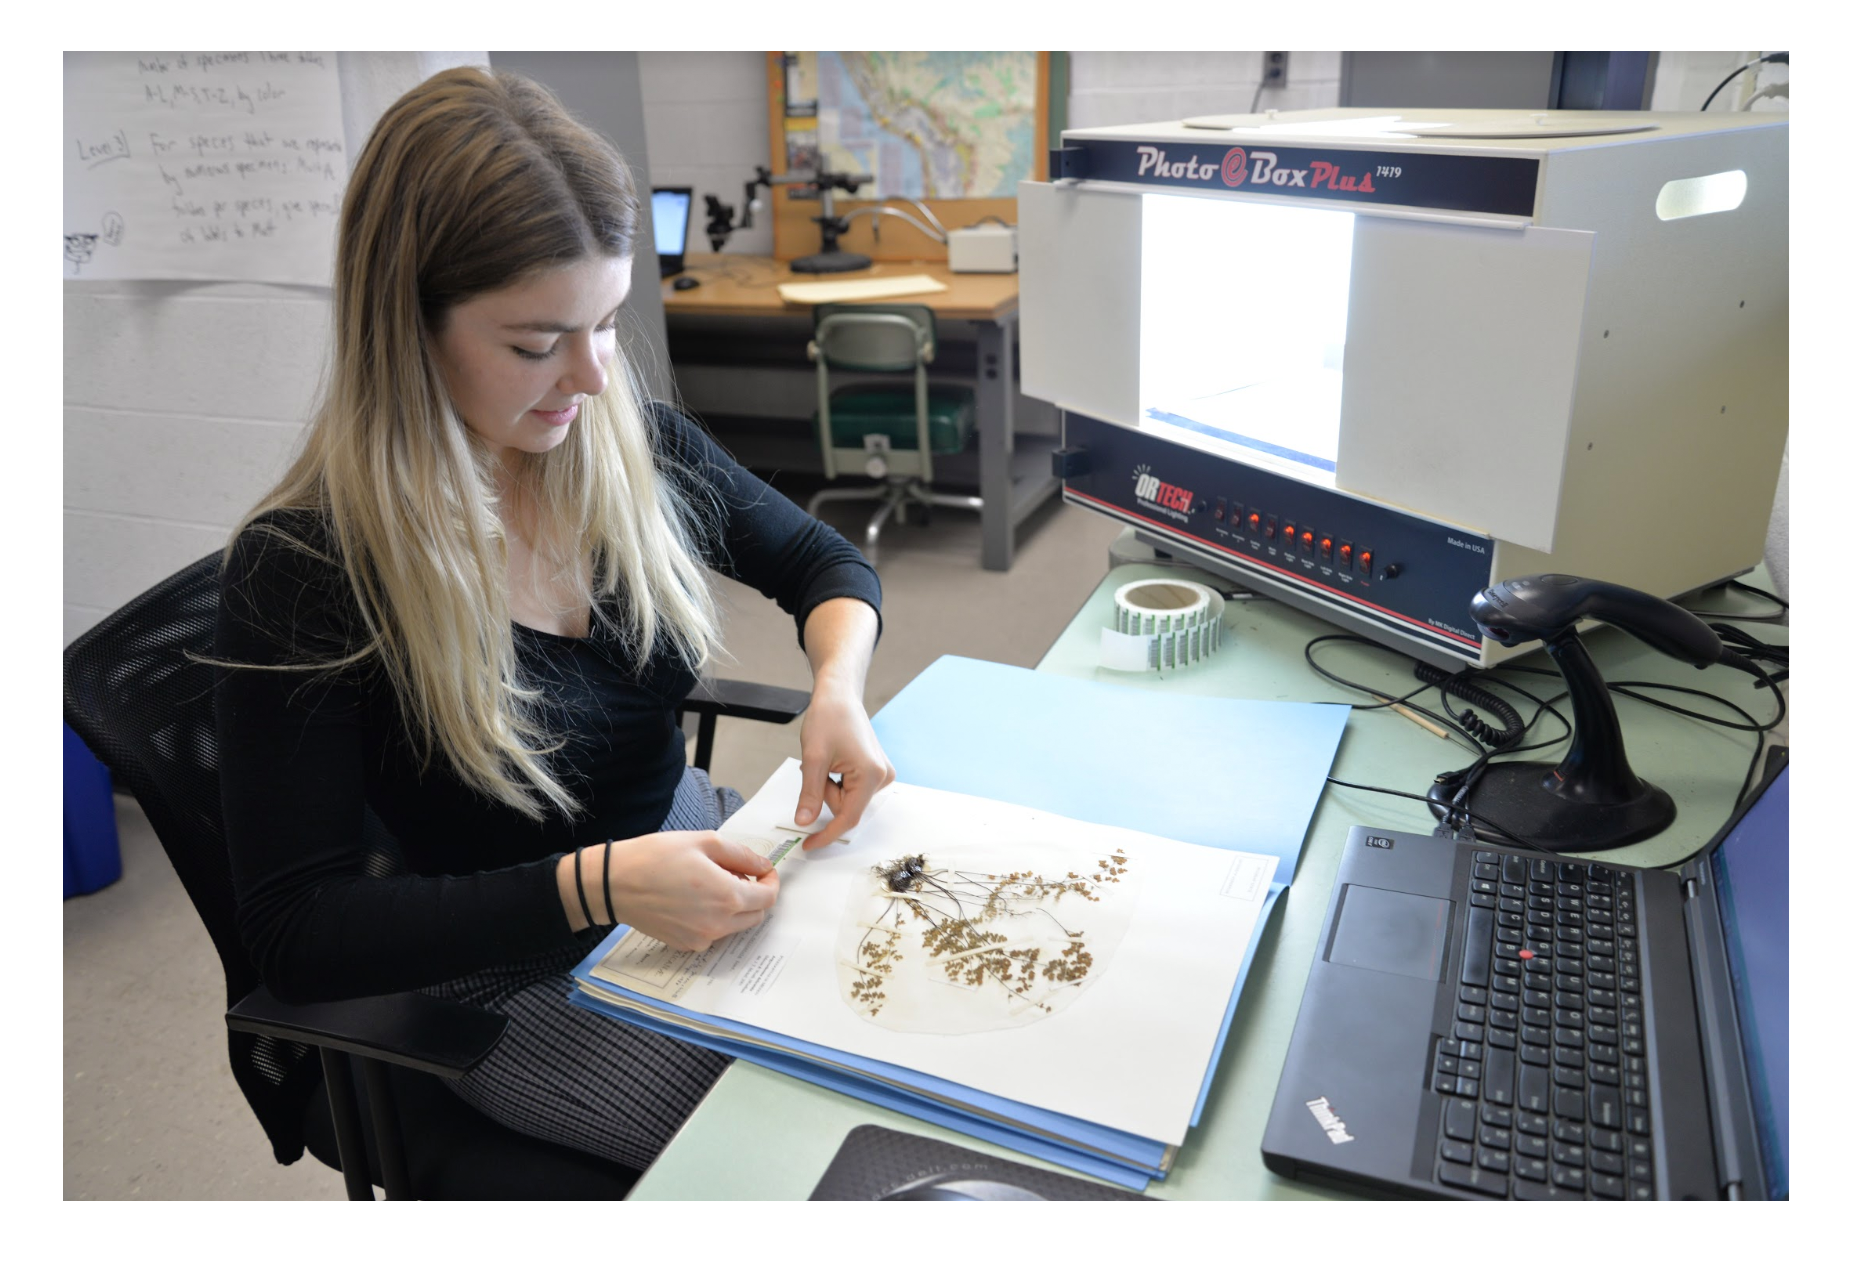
x=1162, y=624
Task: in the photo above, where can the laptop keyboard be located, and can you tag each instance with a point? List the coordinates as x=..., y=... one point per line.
x=1544, y=1074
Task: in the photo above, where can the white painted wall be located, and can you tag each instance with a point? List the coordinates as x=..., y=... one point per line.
x=1110, y=88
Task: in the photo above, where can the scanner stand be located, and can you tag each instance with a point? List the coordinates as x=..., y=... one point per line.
x=1591, y=801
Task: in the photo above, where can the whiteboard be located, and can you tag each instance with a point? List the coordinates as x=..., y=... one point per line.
x=202, y=166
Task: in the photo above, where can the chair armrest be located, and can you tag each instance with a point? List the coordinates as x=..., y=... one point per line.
x=433, y=1035
x=732, y=698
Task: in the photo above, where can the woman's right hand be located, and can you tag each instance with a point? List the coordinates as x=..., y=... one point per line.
x=687, y=889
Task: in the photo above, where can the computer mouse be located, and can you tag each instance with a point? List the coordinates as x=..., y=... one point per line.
x=933, y=1188
x=684, y=282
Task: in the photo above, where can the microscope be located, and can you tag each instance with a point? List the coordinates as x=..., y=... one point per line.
x=830, y=257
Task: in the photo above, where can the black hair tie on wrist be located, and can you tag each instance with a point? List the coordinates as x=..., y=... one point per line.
x=581, y=890
x=606, y=883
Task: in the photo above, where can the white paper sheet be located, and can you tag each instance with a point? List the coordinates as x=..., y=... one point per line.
x=202, y=166
x=1127, y=1048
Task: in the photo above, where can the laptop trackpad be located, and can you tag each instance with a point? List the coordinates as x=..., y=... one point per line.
x=1387, y=931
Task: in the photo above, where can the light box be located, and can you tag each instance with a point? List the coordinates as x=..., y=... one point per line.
x=1469, y=345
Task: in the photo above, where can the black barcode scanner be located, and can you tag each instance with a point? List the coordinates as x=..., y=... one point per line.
x=1543, y=606
x=1591, y=800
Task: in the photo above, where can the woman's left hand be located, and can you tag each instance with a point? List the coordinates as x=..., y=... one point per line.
x=836, y=740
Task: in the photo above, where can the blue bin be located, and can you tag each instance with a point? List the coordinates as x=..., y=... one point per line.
x=93, y=858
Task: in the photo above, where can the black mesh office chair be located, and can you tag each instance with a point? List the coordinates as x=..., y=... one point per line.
x=133, y=695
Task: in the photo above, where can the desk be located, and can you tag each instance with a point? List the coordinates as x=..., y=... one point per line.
x=1015, y=477
x=761, y=1135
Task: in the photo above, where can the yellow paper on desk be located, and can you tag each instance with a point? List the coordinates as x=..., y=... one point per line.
x=860, y=290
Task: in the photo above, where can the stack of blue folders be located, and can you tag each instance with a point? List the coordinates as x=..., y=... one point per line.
x=1099, y=752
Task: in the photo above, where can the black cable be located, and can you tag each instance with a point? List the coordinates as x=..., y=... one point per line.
x=1494, y=704
x=1382, y=700
x=1465, y=689
x=1465, y=780
x=1467, y=777
x=1495, y=827
x=1753, y=649
x=1542, y=706
x=1777, y=58
x=1759, y=728
x=1739, y=585
x=1623, y=688
x=1467, y=725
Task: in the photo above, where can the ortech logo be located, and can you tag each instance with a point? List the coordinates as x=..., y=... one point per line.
x=1151, y=489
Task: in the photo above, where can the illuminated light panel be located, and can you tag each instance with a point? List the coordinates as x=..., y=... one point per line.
x=1704, y=195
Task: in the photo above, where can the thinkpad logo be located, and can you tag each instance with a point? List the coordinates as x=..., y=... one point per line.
x=1331, y=1123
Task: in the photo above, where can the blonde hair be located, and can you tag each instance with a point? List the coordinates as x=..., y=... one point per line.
x=471, y=182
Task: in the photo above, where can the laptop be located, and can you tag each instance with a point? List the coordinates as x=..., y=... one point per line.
x=670, y=227
x=1482, y=1022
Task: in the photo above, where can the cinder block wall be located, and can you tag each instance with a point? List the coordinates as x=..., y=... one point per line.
x=183, y=402
x=706, y=125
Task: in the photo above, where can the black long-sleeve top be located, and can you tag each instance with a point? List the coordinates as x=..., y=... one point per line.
x=301, y=754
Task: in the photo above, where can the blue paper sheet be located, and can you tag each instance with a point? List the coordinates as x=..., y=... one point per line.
x=1233, y=774
x=1131, y=1175
x=1130, y=1148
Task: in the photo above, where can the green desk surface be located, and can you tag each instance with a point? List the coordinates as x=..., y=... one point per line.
x=761, y=1135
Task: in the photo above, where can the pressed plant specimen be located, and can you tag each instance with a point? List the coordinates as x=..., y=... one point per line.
x=1005, y=936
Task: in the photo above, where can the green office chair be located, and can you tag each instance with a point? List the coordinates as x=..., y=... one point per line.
x=888, y=433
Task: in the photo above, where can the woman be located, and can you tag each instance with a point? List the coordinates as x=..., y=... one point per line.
x=473, y=604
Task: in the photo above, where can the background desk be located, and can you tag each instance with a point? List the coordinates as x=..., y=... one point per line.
x=761, y=1135
x=1015, y=470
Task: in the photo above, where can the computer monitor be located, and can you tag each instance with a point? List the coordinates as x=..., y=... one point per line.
x=1750, y=870
x=670, y=227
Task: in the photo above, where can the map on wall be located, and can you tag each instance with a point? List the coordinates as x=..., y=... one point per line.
x=925, y=125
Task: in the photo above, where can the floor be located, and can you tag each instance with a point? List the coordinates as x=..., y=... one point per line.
x=151, y=1111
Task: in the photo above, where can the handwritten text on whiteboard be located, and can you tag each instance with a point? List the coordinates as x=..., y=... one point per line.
x=202, y=166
